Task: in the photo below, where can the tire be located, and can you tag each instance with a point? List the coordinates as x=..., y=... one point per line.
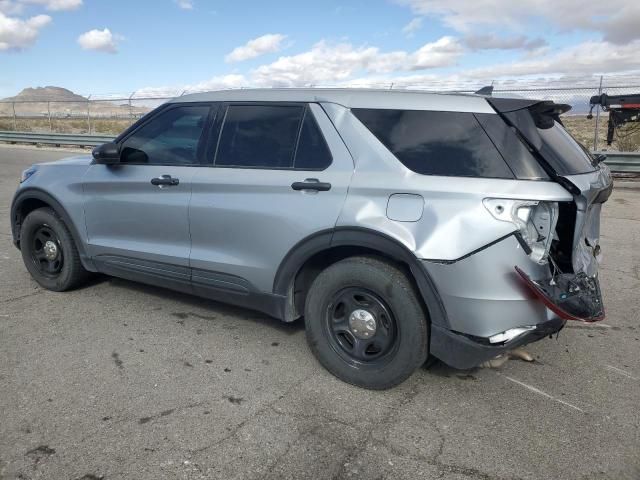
x=65, y=271
x=398, y=341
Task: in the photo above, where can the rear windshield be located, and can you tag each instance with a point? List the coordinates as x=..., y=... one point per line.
x=558, y=148
x=436, y=143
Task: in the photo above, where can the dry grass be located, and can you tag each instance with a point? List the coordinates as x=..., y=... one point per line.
x=66, y=125
x=627, y=138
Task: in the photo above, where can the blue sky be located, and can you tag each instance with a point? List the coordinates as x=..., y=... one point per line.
x=113, y=46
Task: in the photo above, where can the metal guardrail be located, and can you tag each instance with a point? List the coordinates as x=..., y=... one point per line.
x=623, y=162
x=619, y=162
x=55, y=138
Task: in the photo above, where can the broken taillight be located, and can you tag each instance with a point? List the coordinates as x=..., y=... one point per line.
x=570, y=296
x=535, y=221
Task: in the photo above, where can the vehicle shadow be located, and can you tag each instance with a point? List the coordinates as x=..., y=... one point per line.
x=439, y=369
x=188, y=302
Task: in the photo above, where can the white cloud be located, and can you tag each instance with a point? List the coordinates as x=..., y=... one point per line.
x=9, y=7
x=18, y=34
x=566, y=15
x=271, y=42
x=491, y=41
x=623, y=26
x=100, y=40
x=335, y=63
x=55, y=5
x=414, y=25
x=343, y=64
x=185, y=4
x=440, y=53
x=585, y=58
x=215, y=83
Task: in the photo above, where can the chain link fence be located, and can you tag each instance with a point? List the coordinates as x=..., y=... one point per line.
x=110, y=114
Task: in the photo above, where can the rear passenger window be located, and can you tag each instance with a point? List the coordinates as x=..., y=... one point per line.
x=436, y=143
x=313, y=152
x=259, y=136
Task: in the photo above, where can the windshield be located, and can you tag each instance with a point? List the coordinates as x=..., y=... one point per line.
x=558, y=148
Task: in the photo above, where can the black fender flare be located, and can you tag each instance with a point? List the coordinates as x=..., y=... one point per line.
x=365, y=238
x=34, y=193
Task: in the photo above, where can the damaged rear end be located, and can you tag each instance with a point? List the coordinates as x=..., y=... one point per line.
x=562, y=235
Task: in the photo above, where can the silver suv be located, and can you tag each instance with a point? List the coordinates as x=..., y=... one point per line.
x=398, y=224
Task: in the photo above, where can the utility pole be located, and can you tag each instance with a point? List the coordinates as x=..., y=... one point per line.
x=130, y=106
x=595, y=134
x=89, y=114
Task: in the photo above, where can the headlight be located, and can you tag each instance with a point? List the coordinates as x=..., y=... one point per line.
x=27, y=173
x=535, y=221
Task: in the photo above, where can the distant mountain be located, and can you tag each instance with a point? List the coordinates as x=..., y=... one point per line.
x=46, y=94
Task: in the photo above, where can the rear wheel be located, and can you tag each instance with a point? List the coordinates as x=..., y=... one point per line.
x=365, y=323
x=49, y=252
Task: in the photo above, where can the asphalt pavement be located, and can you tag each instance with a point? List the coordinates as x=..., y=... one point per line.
x=119, y=380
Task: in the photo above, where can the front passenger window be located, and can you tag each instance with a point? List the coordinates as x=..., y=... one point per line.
x=171, y=138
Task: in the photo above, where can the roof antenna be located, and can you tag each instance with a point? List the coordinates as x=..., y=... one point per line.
x=488, y=90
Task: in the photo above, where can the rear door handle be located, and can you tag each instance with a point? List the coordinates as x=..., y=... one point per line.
x=311, y=184
x=165, y=181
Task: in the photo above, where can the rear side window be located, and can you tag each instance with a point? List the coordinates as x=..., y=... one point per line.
x=313, y=152
x=558, y=148
x=171, y=138
x=259, y=136
x=514, y=151
x=436, y=143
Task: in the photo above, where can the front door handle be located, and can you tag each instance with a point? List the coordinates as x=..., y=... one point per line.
x=311, y=184
x=165, y=181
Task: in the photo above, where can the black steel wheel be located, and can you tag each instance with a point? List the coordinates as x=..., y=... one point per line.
x=361, y=326
x=49, y=251
x=365, y=323
x=46, y=252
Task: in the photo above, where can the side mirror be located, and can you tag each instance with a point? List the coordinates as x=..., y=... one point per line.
x=106, y=154
x=599, y=158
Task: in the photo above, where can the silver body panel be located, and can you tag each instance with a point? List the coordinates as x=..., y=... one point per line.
x=483, y=294
x=245, y=221
x=454, y=221
x=127, y=216
x=587, y=231
x=349, y=98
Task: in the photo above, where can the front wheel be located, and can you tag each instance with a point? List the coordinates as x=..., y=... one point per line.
x=365, y=323
x=49, y=252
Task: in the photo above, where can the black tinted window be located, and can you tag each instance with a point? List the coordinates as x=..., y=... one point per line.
x=436, y=143
x=312, y=152
x=511, y=147
x=259, y=136
x=563, y=153
x=171, y=138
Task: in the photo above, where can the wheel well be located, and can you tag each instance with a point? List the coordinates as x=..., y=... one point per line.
x=27, y=206
x=321, y=260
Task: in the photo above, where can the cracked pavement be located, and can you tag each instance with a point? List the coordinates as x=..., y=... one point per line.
x=124, y=381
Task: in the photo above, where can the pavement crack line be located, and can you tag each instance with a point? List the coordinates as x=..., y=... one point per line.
x=318, y=416
x=360, y=446
x=621, y=372
x=7, y=300
x=533, y=389
x=244, y=422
